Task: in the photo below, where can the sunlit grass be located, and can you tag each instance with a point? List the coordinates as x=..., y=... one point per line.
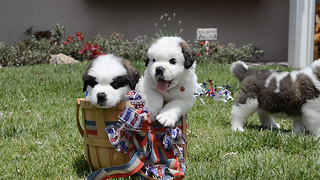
x=39, y=138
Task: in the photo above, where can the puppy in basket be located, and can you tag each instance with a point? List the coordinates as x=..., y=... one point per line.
x=292, y=94
x=107, y=80
x=169, y=80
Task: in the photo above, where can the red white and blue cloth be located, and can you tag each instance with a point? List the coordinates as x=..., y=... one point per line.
x=156, y=151
x=220, y=93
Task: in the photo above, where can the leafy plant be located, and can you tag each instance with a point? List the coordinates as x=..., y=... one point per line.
x=38, y=34
x=36, y=49
x=38, y=46
x=214, y=52
x=30, y=52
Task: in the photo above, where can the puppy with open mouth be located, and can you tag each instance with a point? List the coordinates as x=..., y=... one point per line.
x=295, y=95
x=107, y=80
x=169, y=81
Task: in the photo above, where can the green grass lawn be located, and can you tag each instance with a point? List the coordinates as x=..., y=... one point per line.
x=39, y=138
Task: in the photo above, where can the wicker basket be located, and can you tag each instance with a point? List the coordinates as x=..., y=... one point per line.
x=99, y=152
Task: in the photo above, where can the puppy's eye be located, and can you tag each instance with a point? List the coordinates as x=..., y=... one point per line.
x=119, y=82
x=91, y=82
x=172, y=61
x=153, y=60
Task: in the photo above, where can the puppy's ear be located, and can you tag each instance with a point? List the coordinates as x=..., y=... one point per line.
x=88, y=81
x=147, y=62
x=85, y=78
x=133, y=74
x=188, y=55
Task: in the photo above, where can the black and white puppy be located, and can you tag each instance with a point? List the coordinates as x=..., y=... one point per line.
x=169, y=78
x=293, y=94
x=107, y=80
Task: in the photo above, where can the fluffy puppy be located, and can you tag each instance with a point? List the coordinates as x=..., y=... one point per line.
x=107, y=80
x=292, y=94
x=169, y=80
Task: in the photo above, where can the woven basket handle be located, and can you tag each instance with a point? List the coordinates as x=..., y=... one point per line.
x=77, y=117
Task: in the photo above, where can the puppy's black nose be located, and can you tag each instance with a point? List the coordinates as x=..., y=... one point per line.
x=101, y=97
x=159, y=71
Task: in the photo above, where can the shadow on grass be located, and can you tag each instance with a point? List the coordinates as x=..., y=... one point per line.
x=259, y=127
x=81, y=166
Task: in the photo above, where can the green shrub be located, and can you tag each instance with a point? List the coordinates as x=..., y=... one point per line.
x=37, y=47
x=117, y=45
x=213, y=51
x=28, y=52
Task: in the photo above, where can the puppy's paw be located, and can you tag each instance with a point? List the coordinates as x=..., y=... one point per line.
x=237, y=128
x=275, y=126
x=297, y=128
x=166, y=120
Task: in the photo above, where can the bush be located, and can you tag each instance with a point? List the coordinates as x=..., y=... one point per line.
x=30, y=52
x=213, y=51
x=82, y=50
x=117, y=45
x=37, y=47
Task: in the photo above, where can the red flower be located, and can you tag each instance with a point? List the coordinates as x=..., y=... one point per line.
x=96, y=52
x=70, y=39
x=51, y=42
x=87, y=45
x=80, y=36
x=202, y=43
x=93, y=50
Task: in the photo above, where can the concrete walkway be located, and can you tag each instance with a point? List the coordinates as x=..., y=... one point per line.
x=256, y=64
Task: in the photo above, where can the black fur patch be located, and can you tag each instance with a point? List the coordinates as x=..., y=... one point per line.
x=119, y=82
x=147, y=62
x=88, y=81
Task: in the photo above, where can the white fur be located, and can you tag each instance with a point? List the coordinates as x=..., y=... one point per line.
x=278, y=76
x=178, y=102
x=240, y=113
x=310, y=116
x=105, y=68
x=310, y=72
x=233, y=65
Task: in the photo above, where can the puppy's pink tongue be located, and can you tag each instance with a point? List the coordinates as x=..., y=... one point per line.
x=162, y=85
